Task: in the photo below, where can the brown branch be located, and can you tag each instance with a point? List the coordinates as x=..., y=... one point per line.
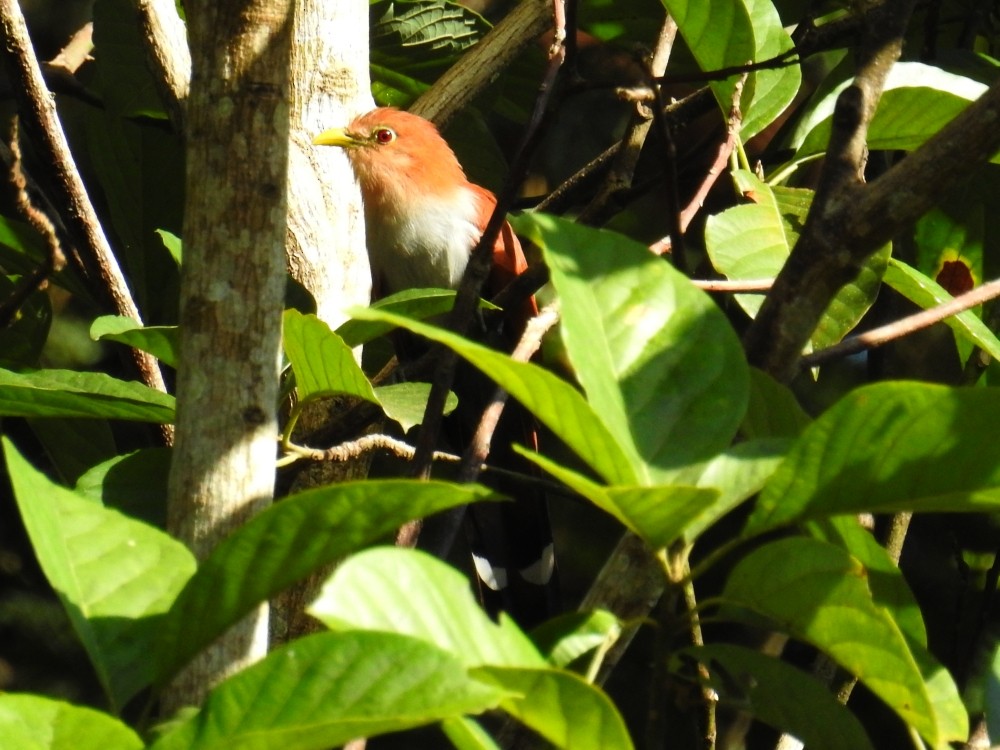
x=905, y=326
x=479, y=447
x=735, y=122
x=479, y=67
x=38, y=115
x=619, y=177
x=842, y=228
x=733, y=285
x=168, y=55
x=54, y=260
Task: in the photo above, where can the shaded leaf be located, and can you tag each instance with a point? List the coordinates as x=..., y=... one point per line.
x=753, y=241
x=323, y=364
x=135, y=484
x=406, y=402
x=657, y=514
x=824, y=599
x=566, y=638
x=163, y=342
x=927, y=293
x=888, y=586
x=111, y=573
x=562, y=707
x=773, y=410
x=555, y=402
x=775, y=693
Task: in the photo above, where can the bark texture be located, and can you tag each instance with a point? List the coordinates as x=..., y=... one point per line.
x=237, y=127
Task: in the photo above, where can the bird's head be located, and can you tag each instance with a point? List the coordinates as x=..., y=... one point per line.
x=396, y=155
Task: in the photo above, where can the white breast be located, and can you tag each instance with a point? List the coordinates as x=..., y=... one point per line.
x=428, y=246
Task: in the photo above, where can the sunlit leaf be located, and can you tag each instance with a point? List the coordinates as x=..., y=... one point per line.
x=112, y=574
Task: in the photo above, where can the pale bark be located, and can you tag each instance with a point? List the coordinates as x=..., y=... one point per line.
x=326, y=239
x=330, y=86
x=232, y=290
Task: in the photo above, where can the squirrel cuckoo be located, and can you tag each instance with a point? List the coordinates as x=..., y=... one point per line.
x=423, y=218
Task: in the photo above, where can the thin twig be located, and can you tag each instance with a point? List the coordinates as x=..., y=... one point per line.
x=479, y=447
x=54, y=259
x=478, y=267
x=905, y=326
x=725, y=149
x=38, y=115
x=622, y=170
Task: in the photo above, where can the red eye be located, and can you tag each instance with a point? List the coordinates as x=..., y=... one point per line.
x=384, y=135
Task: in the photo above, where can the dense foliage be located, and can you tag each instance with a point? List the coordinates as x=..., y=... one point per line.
x=773, y=511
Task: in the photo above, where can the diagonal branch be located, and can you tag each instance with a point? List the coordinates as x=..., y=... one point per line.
x=38, y=115
x=849, y=221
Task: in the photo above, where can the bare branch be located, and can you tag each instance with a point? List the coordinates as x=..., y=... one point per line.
x=38, y=115
x=54, y=259
x=904, y=327
x=168, y=55
x=480, y=66
x=843, y=227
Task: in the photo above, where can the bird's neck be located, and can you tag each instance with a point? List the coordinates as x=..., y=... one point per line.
x=422, y=240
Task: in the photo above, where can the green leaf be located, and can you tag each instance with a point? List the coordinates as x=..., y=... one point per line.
x=658, y=360
x=73, y=444
x=566, y=638
x=418, y=304
x=555, y=402
x=326, y=689
x=111, y=573
x=410, y=592
x=286, y=542
x=737, y=474
x=768, y=93
x=719, y=34
x=888, y=447
x=927, y=293
x=917, y=101
x=466, y=734
x=135, y=484
x=323, y=364
x=657, y=514
x=888, y=586
x=163, y=342
x=172, y=243
x=775, y=693
x=562, y=707
x=67, y=393
x=31, y=722
x=406, y=402
x=824, y=600
x=754, y=240
x=773, y=410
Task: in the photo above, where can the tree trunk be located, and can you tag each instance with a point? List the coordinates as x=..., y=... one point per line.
x=326, y=239
x=231, y=296
x=329, y=86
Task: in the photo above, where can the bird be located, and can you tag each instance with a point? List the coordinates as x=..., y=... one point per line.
x=423, y=218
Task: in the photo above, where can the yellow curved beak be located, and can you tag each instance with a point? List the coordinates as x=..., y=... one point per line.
x=335, y=137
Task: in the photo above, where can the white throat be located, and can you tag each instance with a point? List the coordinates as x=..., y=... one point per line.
x=428, y=245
